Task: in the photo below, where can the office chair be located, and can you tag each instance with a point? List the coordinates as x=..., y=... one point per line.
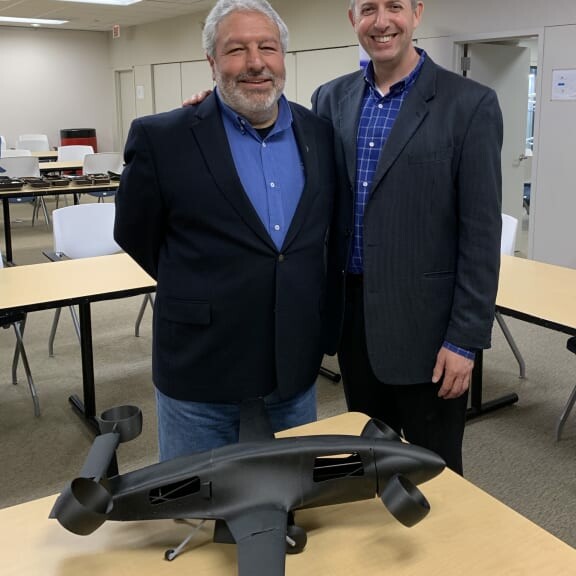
x=571, y=346
x=80, y=231
x=507, y=246
x=103, y=163
x=18, y=322
x=20, y=167
x=73, y=152
x=33, y=142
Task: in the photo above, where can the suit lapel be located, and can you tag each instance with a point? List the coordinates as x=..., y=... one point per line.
x=413, y=111
x=308, y=147
x=208, y=130
x=348, y=123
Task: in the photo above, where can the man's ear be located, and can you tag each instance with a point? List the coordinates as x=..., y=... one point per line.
x=212, y=64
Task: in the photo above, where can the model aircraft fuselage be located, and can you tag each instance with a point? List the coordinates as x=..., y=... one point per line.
x=292, y=473
x=251, y=488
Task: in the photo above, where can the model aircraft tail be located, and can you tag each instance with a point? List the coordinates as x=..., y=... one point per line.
x=85, y=504
x=377, y=429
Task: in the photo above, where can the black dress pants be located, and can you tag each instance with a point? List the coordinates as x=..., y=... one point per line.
x=413, y=410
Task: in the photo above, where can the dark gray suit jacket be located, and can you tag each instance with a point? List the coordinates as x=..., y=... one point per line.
x=433, y=220
x=234, y=317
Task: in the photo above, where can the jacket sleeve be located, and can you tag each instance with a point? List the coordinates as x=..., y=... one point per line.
x=140, y=223
x=479, y=183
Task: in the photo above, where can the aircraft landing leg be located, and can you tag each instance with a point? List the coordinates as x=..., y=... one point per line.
x=296, y=539
x=172, y=553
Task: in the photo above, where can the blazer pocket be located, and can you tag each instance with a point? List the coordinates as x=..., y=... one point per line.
x=185, y=311
x=433, y=156
x=439, y=274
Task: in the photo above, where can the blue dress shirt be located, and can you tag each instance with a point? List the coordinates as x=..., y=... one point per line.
x=270, y=168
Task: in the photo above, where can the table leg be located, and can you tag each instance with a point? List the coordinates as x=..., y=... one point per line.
x=477, y=407
x=87, y=407
x=7, y=230
x=330, y=374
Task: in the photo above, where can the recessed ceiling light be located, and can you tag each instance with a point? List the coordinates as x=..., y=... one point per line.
x=33, y=21
x=109, y=2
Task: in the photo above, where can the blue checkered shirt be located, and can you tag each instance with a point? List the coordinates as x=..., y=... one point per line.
x=377, y=117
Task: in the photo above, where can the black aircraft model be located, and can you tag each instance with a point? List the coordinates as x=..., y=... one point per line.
x=252, y=488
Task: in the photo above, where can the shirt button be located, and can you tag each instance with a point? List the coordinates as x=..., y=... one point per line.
x=365, y=184
x=380, y=106
x=371, y=144
x=276, y=227
x=263, y=144
x=272, y=185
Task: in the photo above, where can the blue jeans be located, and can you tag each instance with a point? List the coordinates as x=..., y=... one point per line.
x=186, y=427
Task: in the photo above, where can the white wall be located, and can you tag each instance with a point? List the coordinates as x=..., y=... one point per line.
x=55, y=79
x=553, y=208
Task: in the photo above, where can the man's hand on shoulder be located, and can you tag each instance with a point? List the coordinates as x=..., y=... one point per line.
x=197, y=98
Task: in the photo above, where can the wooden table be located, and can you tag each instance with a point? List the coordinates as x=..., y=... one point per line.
x=46, y=155
x=61, y=166
x=72, y=188
x=535, y=292
x=467, y=532
x=74, y=282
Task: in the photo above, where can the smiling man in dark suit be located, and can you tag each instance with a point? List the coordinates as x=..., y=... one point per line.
x=227, y=205
x=418, y=224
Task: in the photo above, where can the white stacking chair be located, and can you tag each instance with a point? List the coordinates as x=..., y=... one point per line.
x=33, y=142
x=2, y=143
x=81, y=231
x=102, y=163
x=18, y=321
x=507, y=246
x=21, y=167
x=73, y=152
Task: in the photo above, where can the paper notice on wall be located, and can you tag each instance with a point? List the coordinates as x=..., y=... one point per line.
x=564, y=84
x=116, y=31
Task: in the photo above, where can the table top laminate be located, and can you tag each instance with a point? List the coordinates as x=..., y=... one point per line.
x=39, y=286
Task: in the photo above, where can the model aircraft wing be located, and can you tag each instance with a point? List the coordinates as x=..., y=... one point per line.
x=260, y=537
x=254, y=421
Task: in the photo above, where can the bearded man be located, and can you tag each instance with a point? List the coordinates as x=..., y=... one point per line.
x=227, y=204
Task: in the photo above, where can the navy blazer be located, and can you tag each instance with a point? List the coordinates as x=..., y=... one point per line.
x=432, y=223
x=234, y=316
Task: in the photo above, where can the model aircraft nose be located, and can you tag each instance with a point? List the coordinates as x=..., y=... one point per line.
x=83, y=506
x=404, y=501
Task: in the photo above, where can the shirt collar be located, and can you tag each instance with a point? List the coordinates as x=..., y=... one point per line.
x=401, y=85
x=240, y=123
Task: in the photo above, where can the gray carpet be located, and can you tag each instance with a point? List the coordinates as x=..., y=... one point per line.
x=511, y=453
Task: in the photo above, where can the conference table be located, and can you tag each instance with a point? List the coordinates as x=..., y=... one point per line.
x=75, y=282
x=466, y=532
x=535, y=292
x=61, y=166
x=45, y=155
x=27, y=190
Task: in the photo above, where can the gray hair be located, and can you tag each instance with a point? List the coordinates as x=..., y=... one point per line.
x=353, y=4
x=225, y=7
